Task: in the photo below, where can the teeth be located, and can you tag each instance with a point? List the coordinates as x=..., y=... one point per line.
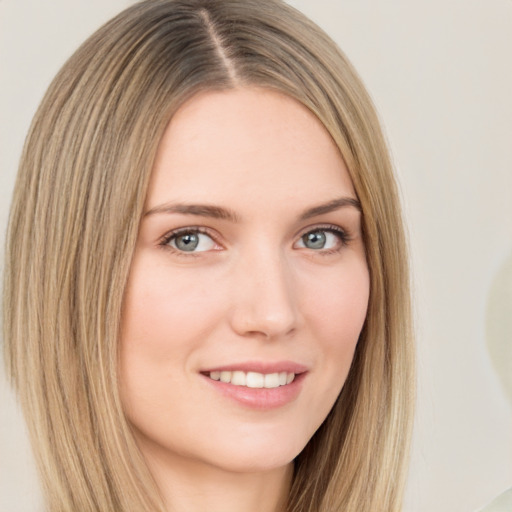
x=254, y=379
x=272, y=380
x=238, y=379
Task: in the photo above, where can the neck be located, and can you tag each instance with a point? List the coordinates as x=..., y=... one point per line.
x=192, y=486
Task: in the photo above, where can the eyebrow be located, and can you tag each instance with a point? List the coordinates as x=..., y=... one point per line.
x=219, y=212
x=331, y=206
x=202, y=210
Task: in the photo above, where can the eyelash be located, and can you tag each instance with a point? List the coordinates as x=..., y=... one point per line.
x=168, y=237
x=343, y=235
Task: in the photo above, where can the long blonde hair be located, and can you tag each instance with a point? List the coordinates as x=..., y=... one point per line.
x=77, y=204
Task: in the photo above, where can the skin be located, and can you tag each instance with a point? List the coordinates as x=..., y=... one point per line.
x=253, y=290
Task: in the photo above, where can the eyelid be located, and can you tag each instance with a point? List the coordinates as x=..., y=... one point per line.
x=164, y=240
x=343, y=233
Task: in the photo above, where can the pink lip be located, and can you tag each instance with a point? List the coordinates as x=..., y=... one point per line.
x=261, y=367
x=260, y=398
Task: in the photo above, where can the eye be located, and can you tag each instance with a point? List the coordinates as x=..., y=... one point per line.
x=323, y=239
x=190, y=241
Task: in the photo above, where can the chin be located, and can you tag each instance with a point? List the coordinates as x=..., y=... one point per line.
x=251, y=452
x=260, y=462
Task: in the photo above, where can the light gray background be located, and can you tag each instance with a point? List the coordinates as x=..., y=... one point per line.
x=440, y=72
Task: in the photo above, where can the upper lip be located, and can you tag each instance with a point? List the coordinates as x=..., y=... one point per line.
x=260, y=367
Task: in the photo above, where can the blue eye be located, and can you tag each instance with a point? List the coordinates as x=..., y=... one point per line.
x=322, y=239
x=190, y=241
x=315, y=240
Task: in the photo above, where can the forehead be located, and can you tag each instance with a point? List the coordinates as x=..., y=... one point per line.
x=245, y=144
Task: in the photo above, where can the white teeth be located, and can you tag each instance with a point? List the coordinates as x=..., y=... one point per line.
x=254, y=379
x=272, y=380
x=238, y=379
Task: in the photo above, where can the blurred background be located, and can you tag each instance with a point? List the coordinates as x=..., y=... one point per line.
x=440, y=73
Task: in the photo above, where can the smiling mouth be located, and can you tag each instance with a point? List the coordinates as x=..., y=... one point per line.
x=253, y=380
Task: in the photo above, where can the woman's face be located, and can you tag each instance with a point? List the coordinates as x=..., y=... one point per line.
x=249, y=285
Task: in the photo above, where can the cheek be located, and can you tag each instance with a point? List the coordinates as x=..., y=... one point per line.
x=165, y=319
x=337, y=308
x=165, y=312
x=336, y=313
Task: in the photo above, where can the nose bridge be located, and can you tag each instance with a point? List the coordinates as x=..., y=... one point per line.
x=265, y=302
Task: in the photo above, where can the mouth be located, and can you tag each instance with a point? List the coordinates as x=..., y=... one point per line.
x=254, y=380
x=258, y=385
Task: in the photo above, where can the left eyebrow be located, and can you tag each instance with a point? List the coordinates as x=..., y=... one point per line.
x=331, y=206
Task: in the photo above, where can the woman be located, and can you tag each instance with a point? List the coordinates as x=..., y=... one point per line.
x=206, y=295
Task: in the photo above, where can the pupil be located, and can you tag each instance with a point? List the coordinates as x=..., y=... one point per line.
x=315, y=240
x=187, y=242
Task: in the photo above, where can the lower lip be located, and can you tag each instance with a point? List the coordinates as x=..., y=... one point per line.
x=259, y=398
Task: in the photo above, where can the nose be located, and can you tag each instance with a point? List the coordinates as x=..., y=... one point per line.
x=264, y=303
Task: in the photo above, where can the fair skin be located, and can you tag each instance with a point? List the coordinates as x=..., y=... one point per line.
x=249, y=270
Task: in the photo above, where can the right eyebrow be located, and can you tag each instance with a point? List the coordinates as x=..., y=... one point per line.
x=201, y=210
